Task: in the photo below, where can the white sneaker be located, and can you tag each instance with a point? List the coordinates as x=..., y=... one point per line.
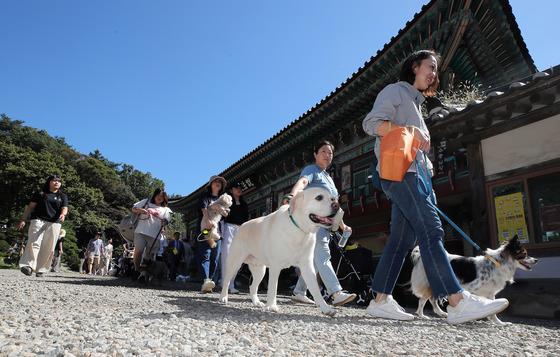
x=474, y=307
x=233, y=291
x=303, y=299
x=388, y=309
x=207, y=286
x=342, y=297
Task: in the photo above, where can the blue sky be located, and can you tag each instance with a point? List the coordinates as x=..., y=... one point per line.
x=183, y=89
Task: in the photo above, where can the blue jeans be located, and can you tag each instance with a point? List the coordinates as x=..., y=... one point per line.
x=322, y=262
x=208, y=259
x=414, y=220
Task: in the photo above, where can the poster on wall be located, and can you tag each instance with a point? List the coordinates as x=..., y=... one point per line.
x=510, y=216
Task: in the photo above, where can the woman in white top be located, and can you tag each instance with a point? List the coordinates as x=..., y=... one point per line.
x=153, y=216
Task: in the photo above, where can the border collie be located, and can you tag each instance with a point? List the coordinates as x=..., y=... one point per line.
x=478, y=275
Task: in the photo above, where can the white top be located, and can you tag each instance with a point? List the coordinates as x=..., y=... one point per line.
x=109, y=250
x=150, y=224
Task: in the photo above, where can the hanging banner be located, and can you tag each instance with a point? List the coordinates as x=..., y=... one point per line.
x=346, y=181
x=510, y=216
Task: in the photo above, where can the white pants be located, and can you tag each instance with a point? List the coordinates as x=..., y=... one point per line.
x=228, y=232
x=108, y=262
x=41, y=240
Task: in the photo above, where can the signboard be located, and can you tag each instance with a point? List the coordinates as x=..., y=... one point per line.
x=247, y=184
x=510, y=216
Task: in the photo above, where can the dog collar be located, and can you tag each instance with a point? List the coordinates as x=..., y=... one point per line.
x=294, y=221
x=493, y=260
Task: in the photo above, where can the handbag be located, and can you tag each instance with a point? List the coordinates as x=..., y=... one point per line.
x=397, y=152
x=127, y=225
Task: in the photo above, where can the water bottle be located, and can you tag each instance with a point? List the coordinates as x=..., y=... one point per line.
x=343, y=238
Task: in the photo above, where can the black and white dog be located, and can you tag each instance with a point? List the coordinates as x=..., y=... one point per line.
x=479, y=275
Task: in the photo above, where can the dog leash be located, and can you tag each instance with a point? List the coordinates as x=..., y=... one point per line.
x=427, y=182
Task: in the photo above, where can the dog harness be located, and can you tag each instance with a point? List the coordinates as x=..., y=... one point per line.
x=493, y=260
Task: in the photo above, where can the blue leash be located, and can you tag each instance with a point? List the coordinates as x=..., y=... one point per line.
x=424, y=177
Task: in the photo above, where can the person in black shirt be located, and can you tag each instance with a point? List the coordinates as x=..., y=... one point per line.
x=238, y=214
x=46, y=211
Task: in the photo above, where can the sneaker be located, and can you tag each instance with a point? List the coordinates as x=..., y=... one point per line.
x=474, y=307
x=342, y=297
x=39, y=275
x=302, y=298
x=26, y=270
x=207, y=286
x=388, y=309
x=233, y=291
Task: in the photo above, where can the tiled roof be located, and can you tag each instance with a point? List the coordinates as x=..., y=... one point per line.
x=501, y=104
x=356, y=93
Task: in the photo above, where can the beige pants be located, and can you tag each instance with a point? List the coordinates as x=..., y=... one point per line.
x=94, y=264
x=41, y=240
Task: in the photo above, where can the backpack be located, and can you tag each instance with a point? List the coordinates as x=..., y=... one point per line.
x=127, y=225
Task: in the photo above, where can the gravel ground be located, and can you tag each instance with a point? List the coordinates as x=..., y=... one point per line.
x=67, y=314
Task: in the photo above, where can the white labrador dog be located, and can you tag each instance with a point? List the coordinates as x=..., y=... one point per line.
x=282, y=239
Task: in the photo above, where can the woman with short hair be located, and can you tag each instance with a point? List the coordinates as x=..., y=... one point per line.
x=238, y=214
x=316, y=175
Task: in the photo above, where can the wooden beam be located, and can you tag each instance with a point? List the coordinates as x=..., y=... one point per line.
x=479, y=224
x=457, y=36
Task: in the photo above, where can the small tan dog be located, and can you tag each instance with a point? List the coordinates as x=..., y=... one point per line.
x=213, y=215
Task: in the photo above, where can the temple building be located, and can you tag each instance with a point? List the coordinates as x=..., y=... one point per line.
x=497, y=160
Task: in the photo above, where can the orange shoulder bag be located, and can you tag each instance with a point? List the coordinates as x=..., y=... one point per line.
x=398, y=151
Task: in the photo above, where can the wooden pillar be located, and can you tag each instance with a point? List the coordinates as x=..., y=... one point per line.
x=479, y=230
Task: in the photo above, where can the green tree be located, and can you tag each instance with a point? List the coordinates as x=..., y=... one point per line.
x=100, y=191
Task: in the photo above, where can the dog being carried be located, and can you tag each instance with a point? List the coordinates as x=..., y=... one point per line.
x=479, y=275
x=212, y=216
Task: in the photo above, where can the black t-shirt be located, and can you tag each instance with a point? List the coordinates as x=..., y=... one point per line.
x=49, y=206
x=239, y=213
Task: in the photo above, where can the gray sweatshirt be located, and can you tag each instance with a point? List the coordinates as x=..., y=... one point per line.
x=399, y=103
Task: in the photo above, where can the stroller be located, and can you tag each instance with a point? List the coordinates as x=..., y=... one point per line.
x=353, y=269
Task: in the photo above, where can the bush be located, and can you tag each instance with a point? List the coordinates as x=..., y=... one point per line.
x=4, y=247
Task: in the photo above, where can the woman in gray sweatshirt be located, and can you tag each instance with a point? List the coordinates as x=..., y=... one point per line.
x=414, y=219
